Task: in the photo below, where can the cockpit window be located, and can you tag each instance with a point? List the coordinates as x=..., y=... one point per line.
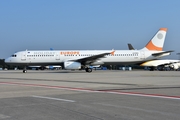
x=13, y=55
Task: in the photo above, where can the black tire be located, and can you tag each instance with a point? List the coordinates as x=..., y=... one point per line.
x=89, y=70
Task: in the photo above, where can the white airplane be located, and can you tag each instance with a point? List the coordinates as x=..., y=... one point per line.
x=77, y=59
x=160, y=64
x=173, y=64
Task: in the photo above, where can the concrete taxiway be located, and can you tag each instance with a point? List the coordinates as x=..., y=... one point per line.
x=100, y=95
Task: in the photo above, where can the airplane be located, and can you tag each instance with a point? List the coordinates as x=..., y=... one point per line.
x=160, y=64
x=77, y=59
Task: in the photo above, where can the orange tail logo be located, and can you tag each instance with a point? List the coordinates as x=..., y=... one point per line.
x=157, y=41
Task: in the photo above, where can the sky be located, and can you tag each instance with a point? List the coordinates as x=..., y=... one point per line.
x=86, y=24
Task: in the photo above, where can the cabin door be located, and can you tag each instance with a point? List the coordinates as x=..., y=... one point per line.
x=142, y=55
x=23, y=56
x=57, y=56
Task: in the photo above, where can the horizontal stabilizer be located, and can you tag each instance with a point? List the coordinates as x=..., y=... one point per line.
x=161, y=53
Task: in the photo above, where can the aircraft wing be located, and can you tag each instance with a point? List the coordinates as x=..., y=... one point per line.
x=162, y=53
x=90, y=59
x=156, y=63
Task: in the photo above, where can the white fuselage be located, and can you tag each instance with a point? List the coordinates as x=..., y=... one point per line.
x=57, y=57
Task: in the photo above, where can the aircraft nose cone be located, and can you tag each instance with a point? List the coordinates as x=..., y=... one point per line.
x=7, y=60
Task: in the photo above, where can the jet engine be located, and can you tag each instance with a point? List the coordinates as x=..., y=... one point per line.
x=174, y=66
x=70, y=65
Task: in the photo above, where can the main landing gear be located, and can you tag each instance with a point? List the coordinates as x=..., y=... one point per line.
x=152, y=68
x=88, y=70
x=24, y=71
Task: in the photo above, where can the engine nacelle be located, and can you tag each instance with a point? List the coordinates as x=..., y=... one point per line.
x=72, y=65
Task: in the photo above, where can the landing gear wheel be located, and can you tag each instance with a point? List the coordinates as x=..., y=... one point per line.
x=89, y=70
x=24, y=71
x=152, y=68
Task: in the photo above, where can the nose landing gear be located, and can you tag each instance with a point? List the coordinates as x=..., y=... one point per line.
x=25, y=70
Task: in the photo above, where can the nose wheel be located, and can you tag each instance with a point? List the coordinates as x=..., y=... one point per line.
x=25, y=70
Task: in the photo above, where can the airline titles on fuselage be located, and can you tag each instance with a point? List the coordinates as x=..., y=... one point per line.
x=69, y=53
x=44, y=53
x=61, y=53
x=74, y=53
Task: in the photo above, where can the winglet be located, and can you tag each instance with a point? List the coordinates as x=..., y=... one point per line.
x=112, y=53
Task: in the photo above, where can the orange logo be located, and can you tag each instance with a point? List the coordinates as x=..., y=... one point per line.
x=112, y=53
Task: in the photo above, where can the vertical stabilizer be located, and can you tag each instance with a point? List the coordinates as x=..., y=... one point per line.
x=130, y=47
x=157, y=42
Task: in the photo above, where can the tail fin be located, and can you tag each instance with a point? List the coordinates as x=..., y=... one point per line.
x=130, y=47
x=157, y=42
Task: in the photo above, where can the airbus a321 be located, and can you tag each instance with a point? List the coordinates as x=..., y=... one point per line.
x=77, y=59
